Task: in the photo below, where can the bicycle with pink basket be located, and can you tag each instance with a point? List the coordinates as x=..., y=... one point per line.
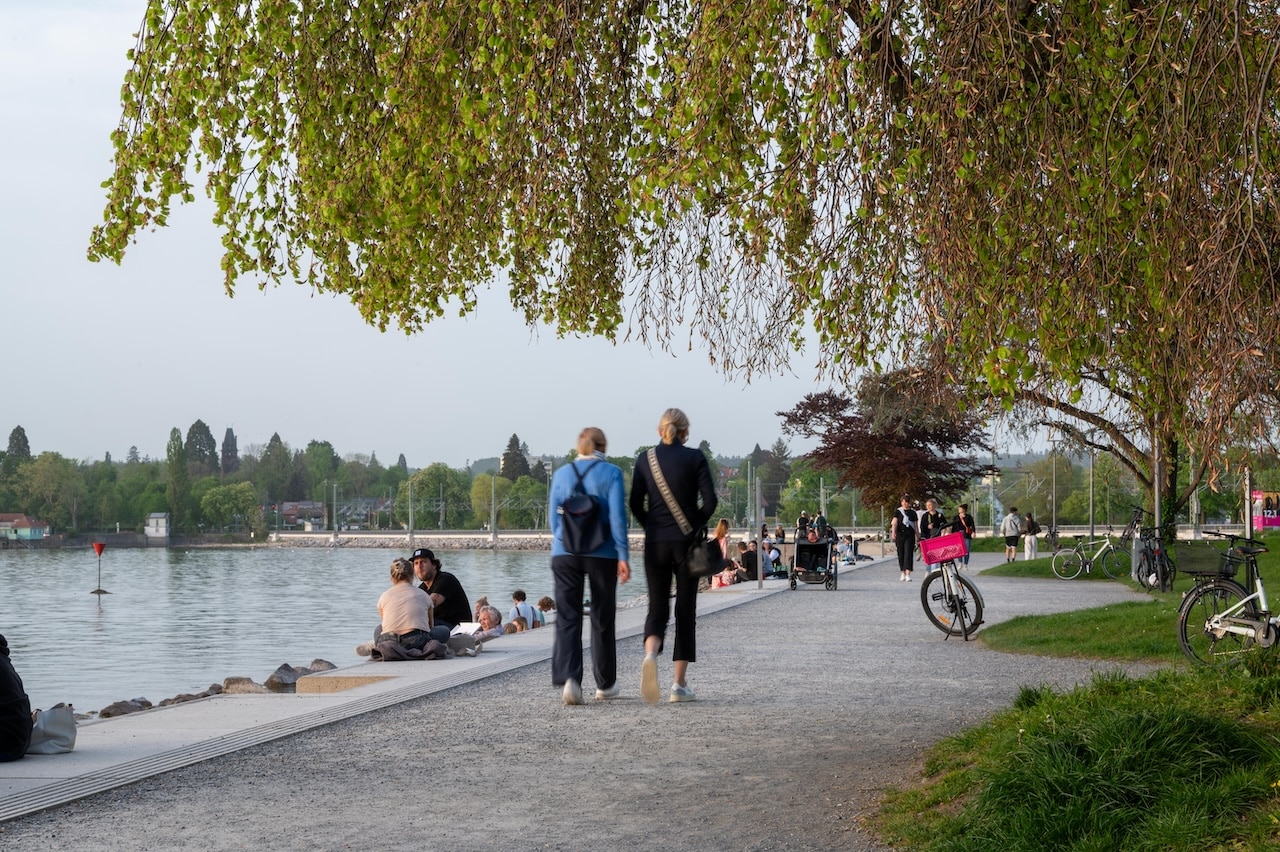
x=952, y=602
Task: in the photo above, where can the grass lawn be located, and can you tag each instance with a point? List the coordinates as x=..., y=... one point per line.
x=1188, y=758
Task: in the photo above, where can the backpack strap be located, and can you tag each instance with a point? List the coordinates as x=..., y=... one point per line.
x=580, y=487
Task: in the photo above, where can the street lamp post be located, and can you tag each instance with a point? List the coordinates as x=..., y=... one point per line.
x=1053, y=498
x=1092, y=453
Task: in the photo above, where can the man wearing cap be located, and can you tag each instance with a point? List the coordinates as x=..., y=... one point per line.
x=446, y=592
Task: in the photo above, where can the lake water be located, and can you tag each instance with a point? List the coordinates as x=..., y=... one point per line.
x=179, y=620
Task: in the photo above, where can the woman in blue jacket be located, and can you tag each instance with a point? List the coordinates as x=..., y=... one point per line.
x=603, y=567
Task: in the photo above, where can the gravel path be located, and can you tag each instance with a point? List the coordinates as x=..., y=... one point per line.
x=810, y=704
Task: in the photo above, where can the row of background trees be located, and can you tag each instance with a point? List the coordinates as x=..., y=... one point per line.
x=871, y=449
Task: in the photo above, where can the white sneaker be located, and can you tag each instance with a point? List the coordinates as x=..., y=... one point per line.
x=572, y=693
x=364, y=648
x=649, y=679
x=681, y=693
x=611, y=692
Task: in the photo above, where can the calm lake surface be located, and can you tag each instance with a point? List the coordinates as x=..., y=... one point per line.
x=179, y=620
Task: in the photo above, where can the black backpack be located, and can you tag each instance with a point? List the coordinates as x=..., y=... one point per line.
x=583, y=526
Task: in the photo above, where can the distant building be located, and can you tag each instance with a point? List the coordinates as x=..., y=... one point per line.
x=302, y=513
x=157, y=526
x=22, y=527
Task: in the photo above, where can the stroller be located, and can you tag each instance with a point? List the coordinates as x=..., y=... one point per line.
x=813, y=563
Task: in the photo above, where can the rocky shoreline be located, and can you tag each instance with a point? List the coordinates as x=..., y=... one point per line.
x=283, y=679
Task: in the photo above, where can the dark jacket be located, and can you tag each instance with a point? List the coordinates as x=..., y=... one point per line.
x=688, y=476
x=15, y=710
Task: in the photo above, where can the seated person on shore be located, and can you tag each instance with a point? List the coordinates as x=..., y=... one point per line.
x=748, y=560
x=517, y=624
x=490, y=625
x=546, y=609
x=481, y=603
x=405, y=613
x=521, y=608
x=451, y=606
x=15, y=710
x=727, y=577
x=773, y=558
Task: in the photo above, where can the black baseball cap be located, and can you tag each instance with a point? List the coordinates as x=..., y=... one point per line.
x=423, y=553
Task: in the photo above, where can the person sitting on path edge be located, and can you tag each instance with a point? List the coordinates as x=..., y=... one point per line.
x=404, y=614
x=15, y=710
x=520, y=608
x=451, y=606
x=490, y=625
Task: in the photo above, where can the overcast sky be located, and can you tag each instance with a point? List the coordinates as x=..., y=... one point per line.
x=98, y=358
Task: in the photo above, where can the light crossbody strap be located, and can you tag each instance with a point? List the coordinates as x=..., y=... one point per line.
x=661, y=482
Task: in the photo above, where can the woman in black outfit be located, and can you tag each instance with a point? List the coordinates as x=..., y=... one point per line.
x=903, y=532
x=688, y=478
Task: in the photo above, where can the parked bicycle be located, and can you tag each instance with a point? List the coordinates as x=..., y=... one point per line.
x=1069, y=562
x=951, y=601
x=1154, y=569
x=1220, y=620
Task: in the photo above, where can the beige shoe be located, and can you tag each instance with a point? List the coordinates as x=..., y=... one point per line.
x=649, y=679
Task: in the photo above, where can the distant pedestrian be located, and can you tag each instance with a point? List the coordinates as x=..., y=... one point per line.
x=964, y=524
x=1011, y=529
x=903, y=531
x=1030, y=544
x=932, y=524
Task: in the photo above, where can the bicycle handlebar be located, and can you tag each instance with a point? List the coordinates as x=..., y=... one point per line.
x=1235, y=540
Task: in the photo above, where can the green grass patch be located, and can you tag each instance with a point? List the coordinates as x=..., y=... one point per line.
x=1186, y=759
x=1180, y=760
x=1144, y=631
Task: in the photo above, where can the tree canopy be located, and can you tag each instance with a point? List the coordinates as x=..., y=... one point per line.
x=892, y=440
x=1028, y=195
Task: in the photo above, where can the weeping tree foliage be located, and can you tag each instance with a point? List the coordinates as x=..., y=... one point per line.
x=1075, y=199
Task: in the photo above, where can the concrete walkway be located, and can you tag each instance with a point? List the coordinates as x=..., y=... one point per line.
x=811, y=702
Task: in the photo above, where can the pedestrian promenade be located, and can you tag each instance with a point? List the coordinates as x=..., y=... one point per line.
x=810, y=702
x=124, y=749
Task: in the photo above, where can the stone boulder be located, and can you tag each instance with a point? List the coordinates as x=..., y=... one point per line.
x=242, y=686
x=123, y=708
x=285, y=678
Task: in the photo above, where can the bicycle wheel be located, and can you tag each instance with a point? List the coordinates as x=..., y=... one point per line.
x=1115, y=563
x=1146, y=574
x=1166, y=571
x=1202, y=644
x=957, y=614
x=1067, y=564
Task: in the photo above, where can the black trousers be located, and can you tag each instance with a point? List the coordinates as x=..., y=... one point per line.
x=906, y=550
x=664, y=561
x=571, y=574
